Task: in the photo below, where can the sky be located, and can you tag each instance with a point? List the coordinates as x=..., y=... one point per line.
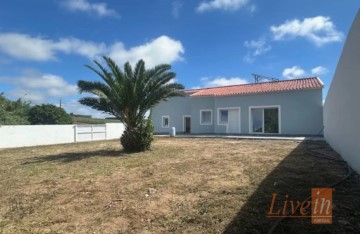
x=44, y=45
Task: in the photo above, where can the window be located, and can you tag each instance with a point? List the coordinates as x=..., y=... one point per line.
x=165, y=121
x=206, y=117
x=264, y=120
x=224, y=116
x=271, y=120
x=257, y=120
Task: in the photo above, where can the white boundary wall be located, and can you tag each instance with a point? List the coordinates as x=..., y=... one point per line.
x=33, y=135
x=342, y=108
x=90, y=132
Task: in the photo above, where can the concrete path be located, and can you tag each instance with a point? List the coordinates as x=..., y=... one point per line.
x=286, y=138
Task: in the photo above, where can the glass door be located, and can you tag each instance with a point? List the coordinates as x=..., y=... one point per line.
x=271, y=120
x=265, y=120
x=257, y=120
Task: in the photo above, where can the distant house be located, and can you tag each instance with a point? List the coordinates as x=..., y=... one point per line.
x=289, y=107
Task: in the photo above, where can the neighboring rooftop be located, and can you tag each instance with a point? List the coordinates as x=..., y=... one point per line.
x=263, y=87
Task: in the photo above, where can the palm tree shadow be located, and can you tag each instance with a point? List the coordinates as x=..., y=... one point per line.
x=76, y=156
x=295, y=176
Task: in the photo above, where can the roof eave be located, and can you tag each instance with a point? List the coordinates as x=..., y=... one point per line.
x=254, y=93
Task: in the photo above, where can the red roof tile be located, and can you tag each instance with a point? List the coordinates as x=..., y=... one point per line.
x=264, y=87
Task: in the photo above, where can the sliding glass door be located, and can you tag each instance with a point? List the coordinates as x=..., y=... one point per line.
x=257, y=120
x=264, y=120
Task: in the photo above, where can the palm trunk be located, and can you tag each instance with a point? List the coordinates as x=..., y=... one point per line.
x=137, y=138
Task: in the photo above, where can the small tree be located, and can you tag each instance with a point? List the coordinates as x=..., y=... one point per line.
x=129, y=94
x=48, y=114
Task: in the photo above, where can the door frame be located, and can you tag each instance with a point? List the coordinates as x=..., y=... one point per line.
x=227, y=124
x=264, y=107
x=184, y=123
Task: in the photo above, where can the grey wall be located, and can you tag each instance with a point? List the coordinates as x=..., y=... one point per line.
x=175, y=108
x=342, y=105
x=301, y=111
x=197, y=104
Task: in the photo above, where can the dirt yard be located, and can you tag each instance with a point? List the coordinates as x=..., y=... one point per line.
x=180, y=186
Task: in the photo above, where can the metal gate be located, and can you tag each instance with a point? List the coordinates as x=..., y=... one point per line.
x=93, y=132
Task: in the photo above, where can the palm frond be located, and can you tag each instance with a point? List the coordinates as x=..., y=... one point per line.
x=103, y=73
x=129, y=93
x=97, y=103
x=94, y=87
x=128, y=69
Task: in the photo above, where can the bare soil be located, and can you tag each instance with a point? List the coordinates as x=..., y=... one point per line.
x=182, y=185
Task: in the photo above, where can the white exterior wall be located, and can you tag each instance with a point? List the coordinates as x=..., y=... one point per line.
x=342, y=105
x=114, y=130
x=30, y=135
x=33, y=135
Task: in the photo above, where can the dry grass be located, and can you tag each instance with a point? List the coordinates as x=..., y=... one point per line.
x=181, y=185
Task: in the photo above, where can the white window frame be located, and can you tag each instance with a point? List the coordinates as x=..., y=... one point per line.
x=227, y=124
x=211, y=116
x=264, y=107
x=186, y=116
x=162, y=121
x=219, y=116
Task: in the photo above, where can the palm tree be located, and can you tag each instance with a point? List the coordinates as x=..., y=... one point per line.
x=128, y=95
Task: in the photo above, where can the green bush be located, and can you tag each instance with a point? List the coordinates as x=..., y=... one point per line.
x=13, y=112
x=139, y=138
x=48, y=114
